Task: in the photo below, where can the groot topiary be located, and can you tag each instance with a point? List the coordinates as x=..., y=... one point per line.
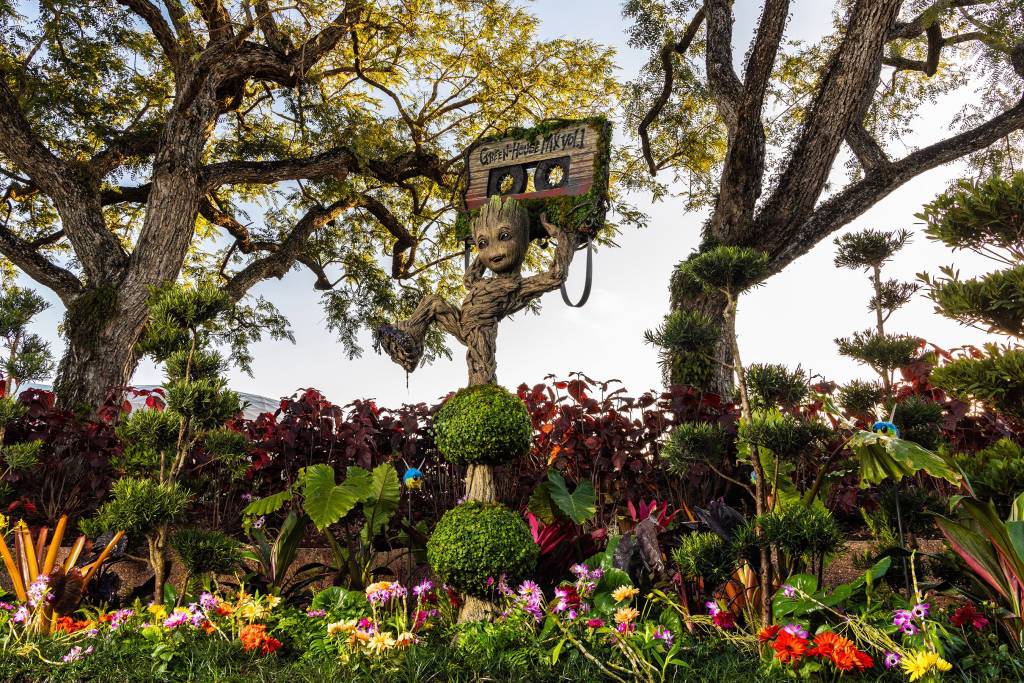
x=484, y=424
x=477, y=541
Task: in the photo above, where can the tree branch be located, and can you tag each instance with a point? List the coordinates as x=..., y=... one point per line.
x=404, y=240
x=853, y=201
x=163, y=33
x=839, y=104
x=678, y=48
x=725, y=84
x=24, y=255
x=280, y=261
x=869, y=153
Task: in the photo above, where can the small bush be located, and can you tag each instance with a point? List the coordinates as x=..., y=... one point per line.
x=705, y=556
x=919, y=420
x=803, y=532
x=475, y=541
x=772, y=384
x=137, y=506
x=691, y=443
x=484, y=424
x=860, y=397
x=203, y=550
x=996, y=473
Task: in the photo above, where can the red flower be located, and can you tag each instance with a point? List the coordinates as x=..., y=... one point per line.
x=724, y=619
x=768, y=633
x=789, y=649
x=968, y=614
x=69, y=625
x=847, y=657
x=826, y=643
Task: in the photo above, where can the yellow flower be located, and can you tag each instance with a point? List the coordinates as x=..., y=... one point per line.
x=624, y=615
x=3, y=522
x=405, y=639
x=379, y=586
x=917, y=664
x=158, y=611
x=380, y=642
x=347, y=626
x=273, y=601
x=624, y=593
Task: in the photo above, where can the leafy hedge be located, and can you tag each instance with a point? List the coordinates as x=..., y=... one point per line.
x=484, y=424
x=475, y=542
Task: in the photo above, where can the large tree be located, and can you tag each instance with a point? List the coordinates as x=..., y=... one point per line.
x=139, y=137
x=760, y=144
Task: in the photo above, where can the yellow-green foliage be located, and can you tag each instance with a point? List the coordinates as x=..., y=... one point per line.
x=483, y=424
x=477, y=541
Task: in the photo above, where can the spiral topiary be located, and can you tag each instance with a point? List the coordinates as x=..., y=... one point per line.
x=476, y=541
x=484, y=424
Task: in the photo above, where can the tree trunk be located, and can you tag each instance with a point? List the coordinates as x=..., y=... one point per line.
x=712, y=305
x=101, y=334
x=158, y=561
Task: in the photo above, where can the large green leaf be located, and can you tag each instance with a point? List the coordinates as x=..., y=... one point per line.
x=325, y=502
x=382, y=501
x=883, y=457
x=540, y=503
x=268, y=504
x=579, y=506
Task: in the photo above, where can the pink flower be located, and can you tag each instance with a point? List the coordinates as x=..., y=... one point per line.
x=595, y=623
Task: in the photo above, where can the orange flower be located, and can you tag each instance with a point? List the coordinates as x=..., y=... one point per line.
x=254, y=637
x=208, y=627
x=789, y=649
x=826, y=643
x=847, y=658
x=768, y=633
x=69, y=625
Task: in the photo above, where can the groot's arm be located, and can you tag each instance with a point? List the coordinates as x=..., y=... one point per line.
x=536, y=285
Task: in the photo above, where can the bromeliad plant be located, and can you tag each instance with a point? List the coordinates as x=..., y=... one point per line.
x=47, y=589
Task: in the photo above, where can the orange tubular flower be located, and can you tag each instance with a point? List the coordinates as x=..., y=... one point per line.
x=789, y=649
x=768, y=633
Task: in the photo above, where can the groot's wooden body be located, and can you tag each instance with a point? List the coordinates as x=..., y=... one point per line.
x=501, y=234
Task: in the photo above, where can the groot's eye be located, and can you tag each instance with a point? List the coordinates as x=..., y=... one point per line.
x=504, y=235
x=481, y=243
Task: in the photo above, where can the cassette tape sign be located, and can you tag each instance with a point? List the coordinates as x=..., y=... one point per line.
x=559, y=162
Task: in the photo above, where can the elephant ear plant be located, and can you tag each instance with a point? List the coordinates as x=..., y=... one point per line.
x=170, y=452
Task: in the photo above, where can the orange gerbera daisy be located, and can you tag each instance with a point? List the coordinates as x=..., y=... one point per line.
x=789, y=649
x=848, y=657
x=254, y=637
x=826, y=643
x=768, y=633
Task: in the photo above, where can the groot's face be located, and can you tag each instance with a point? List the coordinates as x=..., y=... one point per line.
x=501, y=234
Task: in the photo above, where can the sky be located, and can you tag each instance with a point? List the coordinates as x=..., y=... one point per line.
x=792, y=319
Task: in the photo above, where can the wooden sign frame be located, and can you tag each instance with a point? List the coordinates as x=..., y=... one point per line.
x=559, y=167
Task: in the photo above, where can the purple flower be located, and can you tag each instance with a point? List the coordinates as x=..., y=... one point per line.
x=119, y=617
x=910, y=629
x=39, y=590
x=713, y=607
x=665, y=636
x=178, y=618
x=21, y=616
x=259, y=522
x=529, y=589
x=795, y=630
x=789, y=591
x=315, y=613
x=580, y=570
x=76, y=653
x=208, y=601
x=902, y=617
x=920, y=610
x=424, y=587
x=892, y=659
x=6, y=606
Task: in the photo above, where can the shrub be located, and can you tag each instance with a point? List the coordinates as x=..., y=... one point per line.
x=476, y=541
x=860, y=397
x=705, y=556
x=694, y=442
x=483, y=424
x=919, y=420
x=145, y=434
x=203, y=550
x=772, y=384
x=996, y=473
x=138, y=505
x=803, y=533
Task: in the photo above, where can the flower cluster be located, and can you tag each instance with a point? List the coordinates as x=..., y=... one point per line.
x=908, y=621
x=723, y=618
x=919, y=664
x=254, y=638
x=383, y=592
x=792, y=645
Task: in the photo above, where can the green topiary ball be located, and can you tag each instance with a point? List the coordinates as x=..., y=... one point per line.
x=477, y=541
x=485, y=424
